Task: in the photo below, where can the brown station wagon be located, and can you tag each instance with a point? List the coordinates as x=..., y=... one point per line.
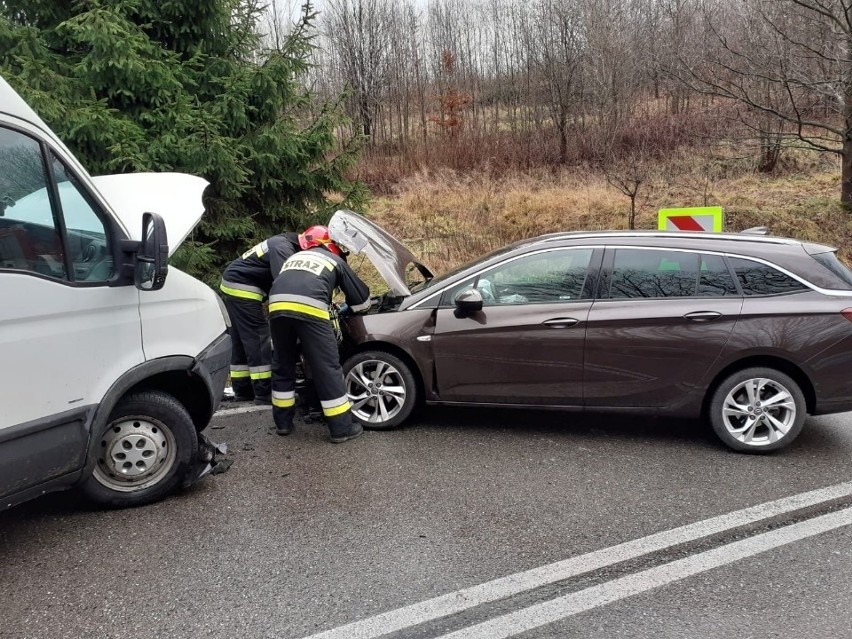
x=749, y=332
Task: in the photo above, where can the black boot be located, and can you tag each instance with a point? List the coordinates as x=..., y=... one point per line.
x=355, y=431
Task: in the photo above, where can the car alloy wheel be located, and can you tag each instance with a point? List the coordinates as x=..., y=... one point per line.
x=377, y=391
x=759, y=412
x=135, y=453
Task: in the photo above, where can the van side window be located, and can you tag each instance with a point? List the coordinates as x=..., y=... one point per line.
x=29, y=235
x=761, y=279
x=86, y=236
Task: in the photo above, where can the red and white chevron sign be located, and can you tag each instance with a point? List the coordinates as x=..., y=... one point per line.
x=708, y=219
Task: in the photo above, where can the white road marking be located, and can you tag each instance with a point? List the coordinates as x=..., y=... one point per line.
x=542, y=614
x=466, y=598
x=242, y=409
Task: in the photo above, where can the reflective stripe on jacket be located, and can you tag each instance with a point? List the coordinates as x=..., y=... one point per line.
x=253, y=272
x=307, y=281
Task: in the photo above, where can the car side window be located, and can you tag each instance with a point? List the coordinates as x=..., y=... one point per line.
x=715, y=279
x=640, y=273
x=86, y=235
x=756, y=278
x=30, y=238
x=552, y=276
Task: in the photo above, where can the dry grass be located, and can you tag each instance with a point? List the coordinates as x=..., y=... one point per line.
x=448, y=217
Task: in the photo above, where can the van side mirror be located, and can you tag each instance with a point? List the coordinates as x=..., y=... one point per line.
x=152, y=260
x=468, y=302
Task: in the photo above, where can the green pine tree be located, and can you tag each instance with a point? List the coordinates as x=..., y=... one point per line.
x=149, y=85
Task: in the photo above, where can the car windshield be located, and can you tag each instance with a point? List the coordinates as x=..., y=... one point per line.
x=444, y=277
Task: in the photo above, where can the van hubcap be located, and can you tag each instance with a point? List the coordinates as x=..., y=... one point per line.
x=759, y=411
x=376, y=390
x=135, y=453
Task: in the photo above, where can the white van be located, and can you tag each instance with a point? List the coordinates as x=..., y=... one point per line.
x=111, y=363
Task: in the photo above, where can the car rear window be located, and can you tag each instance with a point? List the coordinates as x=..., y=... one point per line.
x=830, y=261
x=756, y=278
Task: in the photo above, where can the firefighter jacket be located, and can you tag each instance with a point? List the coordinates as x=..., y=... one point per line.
x=250, y=276
x=306, y=284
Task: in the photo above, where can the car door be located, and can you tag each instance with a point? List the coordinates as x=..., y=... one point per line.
x=662, y=319
x=526, y=345
x=66, y=333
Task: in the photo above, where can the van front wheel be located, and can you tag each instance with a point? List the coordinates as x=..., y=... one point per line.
x=144, y=453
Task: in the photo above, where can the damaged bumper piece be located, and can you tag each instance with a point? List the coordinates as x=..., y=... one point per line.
x=210, y=460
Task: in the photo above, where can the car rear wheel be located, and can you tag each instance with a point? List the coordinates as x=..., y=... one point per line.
x=381, y=388
x=145, y=451
x=758, y=410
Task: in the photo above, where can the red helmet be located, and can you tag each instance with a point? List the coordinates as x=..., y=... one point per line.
x=318, y=236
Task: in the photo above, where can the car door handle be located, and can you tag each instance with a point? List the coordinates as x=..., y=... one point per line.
x=702, y=316
x=561, y=322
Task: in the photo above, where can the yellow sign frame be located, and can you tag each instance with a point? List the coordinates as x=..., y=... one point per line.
x=712, y=214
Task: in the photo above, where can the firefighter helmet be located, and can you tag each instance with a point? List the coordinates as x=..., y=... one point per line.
x=318, y=236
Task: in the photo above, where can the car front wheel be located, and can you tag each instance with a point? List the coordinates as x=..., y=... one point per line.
x=144, y=453
x=758, y=410
x=381, y=389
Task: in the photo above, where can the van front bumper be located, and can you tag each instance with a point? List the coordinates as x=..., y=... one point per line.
x=212, y=365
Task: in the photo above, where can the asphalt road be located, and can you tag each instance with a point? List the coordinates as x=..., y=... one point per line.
x=301, y=536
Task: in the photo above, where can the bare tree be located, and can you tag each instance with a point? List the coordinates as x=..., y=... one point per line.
x=360, y=33
x=787, y=65
x=559, y=56
x=629, y=174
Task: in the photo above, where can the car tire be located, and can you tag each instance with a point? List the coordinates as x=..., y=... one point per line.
x=145, y=451
x=757, y=410
x=360, y=370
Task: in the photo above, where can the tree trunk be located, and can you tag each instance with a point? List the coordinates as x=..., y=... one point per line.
x=562, y=126
x=366, y=120
x=846, y=152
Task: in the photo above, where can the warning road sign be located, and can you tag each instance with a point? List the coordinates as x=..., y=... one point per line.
x=704, y=218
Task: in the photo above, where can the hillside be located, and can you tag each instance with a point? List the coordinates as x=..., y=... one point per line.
x=448, y=218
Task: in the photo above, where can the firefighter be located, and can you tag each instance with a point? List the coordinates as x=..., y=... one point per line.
x=245, y=285
x=299, y=311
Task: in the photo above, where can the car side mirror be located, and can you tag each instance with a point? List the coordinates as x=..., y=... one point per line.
x=468, y=302
x=152, y=259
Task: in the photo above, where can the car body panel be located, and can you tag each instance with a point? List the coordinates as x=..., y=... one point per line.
x=644, y=352
x=508, y=354
x=804, y=329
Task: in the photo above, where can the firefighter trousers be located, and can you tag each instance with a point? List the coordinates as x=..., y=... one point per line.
x=315, y=338
x=251, y=353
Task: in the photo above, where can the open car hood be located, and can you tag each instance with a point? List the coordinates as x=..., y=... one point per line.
x=176, y=197
x=390, y=257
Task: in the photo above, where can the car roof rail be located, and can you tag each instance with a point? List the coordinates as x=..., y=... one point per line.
x=749, y=235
